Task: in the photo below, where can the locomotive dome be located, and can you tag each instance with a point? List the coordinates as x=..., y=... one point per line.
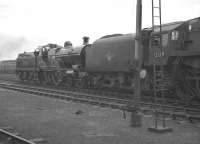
x=67, y=44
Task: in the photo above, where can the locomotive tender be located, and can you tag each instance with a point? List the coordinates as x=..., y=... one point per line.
x=109, y=62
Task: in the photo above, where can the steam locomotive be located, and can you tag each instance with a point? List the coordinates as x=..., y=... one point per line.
x=109, y=63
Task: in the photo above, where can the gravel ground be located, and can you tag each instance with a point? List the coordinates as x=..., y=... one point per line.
x=57, y=122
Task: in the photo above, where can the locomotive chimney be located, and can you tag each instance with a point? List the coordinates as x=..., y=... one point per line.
x=85, y=40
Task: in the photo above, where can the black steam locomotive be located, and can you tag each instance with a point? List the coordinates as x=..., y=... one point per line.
x=109, y=63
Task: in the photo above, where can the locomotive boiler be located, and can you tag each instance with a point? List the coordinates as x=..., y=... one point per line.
x=108, y=63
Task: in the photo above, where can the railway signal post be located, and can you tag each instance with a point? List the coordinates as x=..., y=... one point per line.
x=136, y=117
x=159, y=84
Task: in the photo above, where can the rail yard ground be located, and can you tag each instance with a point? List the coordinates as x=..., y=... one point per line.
x=59, y=122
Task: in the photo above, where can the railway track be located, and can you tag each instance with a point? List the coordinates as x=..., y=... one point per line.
x=171, y=110
x=7, y=137
x=104, y=93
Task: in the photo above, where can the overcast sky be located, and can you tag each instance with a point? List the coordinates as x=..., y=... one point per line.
x=40, y=21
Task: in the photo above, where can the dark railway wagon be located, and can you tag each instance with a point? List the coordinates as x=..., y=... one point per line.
x=7, y=66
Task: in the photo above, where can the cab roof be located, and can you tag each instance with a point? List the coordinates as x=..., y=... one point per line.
x=173, y=25
x=166, y=27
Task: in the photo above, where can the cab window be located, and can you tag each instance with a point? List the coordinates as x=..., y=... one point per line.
x=175, y=35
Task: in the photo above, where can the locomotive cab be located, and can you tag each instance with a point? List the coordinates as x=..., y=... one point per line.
x=191, y=41
x=171, y=40
x=179, y=54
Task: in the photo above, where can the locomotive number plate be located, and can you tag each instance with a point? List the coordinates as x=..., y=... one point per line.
x=158, y=54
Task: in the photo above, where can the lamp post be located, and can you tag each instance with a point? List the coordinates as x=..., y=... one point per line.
x=136, y=117
x=36, y=54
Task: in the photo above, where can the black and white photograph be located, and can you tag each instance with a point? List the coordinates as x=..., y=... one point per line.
x=99, y=71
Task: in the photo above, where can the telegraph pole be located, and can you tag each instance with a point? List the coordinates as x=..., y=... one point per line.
x=136, y=117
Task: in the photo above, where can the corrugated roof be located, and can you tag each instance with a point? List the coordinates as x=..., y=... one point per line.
x=168, y=26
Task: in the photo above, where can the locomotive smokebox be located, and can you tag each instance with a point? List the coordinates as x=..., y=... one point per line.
x=85, y=40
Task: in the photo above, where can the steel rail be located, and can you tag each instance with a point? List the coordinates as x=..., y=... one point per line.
x=11, y=138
